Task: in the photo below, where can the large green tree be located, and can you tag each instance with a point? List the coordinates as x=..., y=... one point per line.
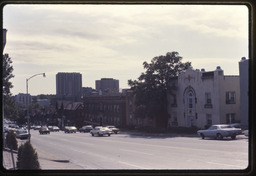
x=10, y=108
x=152, y=86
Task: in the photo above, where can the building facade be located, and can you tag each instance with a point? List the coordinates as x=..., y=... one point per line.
x=244, y=91
x=109, y=109
x=107, y=85
x=69, y=86
x=23, y=98
x=199, y=98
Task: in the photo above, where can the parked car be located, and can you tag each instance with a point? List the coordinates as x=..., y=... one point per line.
x=70, y=129
x=86, y=128
x=55, y=129
x=246, y=132
x=22, y=134
x=38, y=127
x=114, y=129
x=101, y=131
x=44, y=130
x=220, y=131
x=235, y=125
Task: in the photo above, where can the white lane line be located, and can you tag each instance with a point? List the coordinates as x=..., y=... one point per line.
x=230, y=165
x=133, y=151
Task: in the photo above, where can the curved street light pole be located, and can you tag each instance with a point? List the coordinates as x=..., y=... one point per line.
x=28, y=101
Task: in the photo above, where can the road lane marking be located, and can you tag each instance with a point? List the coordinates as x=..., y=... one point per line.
x=133, y=151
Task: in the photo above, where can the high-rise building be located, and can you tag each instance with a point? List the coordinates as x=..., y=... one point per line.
x=107, y=85
x=69, y=86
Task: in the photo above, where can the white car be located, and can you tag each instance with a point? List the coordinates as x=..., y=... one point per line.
x=101, y=131
x=220, y=131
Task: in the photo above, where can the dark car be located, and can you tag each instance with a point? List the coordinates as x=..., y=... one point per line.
x=114, y=129
x=22, y=134
x=86, y=128
x=44, y=130
x=70, y=129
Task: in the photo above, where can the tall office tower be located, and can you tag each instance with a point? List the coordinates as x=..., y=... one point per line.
x=69, y=86
x=107, y=85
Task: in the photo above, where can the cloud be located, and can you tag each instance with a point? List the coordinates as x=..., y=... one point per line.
x=114, y=40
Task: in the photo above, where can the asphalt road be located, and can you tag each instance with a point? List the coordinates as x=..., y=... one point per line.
x=133, y=151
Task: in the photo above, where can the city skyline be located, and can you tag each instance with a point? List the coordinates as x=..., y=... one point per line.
x=112, y=41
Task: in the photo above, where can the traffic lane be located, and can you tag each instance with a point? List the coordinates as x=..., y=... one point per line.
x=140, y=152
x=184, y=156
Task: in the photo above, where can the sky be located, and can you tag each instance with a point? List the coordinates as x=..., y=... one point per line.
x=113, y=41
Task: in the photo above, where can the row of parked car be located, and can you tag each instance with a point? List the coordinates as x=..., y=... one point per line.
x=98, y=130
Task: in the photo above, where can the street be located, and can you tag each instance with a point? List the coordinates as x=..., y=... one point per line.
x=133, y=151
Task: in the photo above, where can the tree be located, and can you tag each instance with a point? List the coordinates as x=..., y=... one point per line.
x=11, y=141
x=28, y=159
x=19, y=155
x=7, y=75
x=151, y=88
x=10, y=108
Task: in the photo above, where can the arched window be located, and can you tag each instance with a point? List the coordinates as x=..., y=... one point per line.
x=190, y=99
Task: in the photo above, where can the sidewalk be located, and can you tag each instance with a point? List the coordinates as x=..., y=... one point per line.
x=7, y=159
x=47, y=161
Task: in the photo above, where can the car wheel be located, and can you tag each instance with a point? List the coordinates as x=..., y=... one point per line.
x=108, y=134
x=92, y=134
x=202, y=135
x=233, y=137
x=219, y=136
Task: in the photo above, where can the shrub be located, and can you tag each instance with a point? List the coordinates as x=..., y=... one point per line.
x=11, y=141
x=19, y=155
x=28, y=158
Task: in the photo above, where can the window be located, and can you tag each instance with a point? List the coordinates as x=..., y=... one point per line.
x=190, y=100
x=230, y=118
x=230, y=97
x=213, y=128
x=208, y=99
x=173, y=100
x=208, y=119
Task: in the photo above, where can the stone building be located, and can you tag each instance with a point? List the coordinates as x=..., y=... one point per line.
x=202, y=98
x=109, y=109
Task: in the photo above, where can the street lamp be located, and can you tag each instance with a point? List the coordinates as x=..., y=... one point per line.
x=28, y=101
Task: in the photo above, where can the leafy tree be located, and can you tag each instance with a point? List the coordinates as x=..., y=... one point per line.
x=7, y=74
x=151, y=88
x=11, y=140
x=28, y=158
x=10, y=108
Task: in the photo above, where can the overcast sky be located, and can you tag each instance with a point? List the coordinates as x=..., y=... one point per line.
x=112, y=41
